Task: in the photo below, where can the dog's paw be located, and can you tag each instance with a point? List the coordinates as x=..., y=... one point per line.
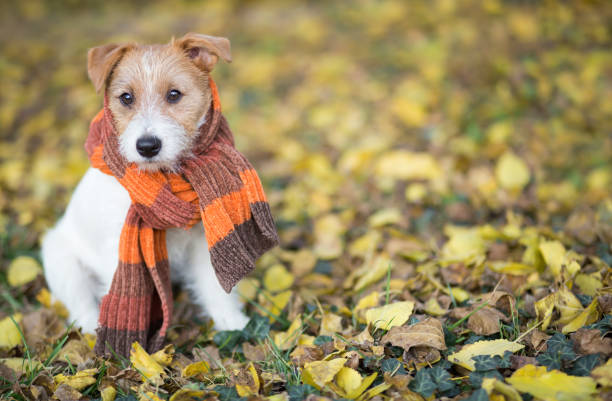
x=233, y=321
x=88, y=325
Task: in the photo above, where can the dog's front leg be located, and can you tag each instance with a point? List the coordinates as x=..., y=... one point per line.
x=198, y=276
x=69, y=281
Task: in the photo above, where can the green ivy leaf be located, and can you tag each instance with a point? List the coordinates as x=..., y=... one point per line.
x=478, y=395
x=257, y=328
x=423, y=383
x=585, y=364
x=299, y=392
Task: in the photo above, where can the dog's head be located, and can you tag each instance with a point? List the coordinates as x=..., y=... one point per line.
x=158, y=94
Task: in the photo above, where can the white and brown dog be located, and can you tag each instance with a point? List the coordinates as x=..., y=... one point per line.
x=157, y=94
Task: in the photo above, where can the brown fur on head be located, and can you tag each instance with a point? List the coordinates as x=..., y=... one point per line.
x=157, y=93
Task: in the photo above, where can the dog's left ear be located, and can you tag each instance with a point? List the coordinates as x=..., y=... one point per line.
x=204, y=50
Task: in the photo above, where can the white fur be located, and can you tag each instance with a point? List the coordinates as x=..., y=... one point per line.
x=174, y=139
x=80, y=255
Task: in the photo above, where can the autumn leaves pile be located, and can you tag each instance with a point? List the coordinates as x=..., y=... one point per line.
x=439, y=172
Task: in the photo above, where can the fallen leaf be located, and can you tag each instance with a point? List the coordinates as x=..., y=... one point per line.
x=552, y=385
x=603, y=374
x=248, y=381
x=491, y=348
x=391, y=315
x=511, y=172
x=144, y=363
x=22, y=270
x=319, y=373
x=330, y=324
x=79, y=380
x=591, y=341
x=350, y=384
x=485, y=321
x=277, y=278
x=9, y=331
x=195, y=368
x=426, y=333
x=589, y=315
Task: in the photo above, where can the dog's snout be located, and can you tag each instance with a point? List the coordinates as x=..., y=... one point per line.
x=148, y=146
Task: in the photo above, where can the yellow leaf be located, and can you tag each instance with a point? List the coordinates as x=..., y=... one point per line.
x=369, y=301
x=247, y=288
x=279, y=397
x=328, y=231
x=330, y=324
x=146, y=365
x=511, y=172
x=553, y=253
x=79, y=380
x=149, y=396
x=589, y=283
x=404, y=165
x=463, y=245
x=287, y=340
x=603, y=374
x=188, y=394
x=350, y=384
x=512, y=268
x=432, y=307
x=544, y=309
x=369, y=274
x=588, y=316
x=108, y=393
x=252, y=385
x=493, y=347
x=319, y=373
x=493, y=385
x=22, y=270
x=276, y=303
x=552, y=385
x=195, y=368
x=277, y=278
x=567, y=304
x=458, y=293
x=385, y=217
x=9, y=332
x=164, y=356
x=374, y=391
x=21, y=365
x=365, y=245
x=391, y=315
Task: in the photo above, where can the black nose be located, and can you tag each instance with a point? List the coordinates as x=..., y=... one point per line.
x=148, y=146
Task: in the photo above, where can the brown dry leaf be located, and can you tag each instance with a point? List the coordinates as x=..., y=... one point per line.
x=66, y=393
x=426, y=333
x=76, y=352
x=303, y=354
x=485, y=321
x=254, y=352
x=591, y=341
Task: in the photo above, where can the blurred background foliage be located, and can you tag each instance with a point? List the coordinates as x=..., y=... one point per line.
x=470, y=108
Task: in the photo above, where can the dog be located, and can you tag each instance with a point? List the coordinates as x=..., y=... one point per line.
x=159, y=97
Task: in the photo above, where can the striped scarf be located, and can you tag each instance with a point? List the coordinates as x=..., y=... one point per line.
x=217, y=186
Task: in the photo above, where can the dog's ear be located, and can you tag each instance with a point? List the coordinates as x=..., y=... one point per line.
x=204, y=50
x=101, y=60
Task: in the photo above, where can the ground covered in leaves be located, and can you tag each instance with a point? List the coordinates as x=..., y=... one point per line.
x=440, y=173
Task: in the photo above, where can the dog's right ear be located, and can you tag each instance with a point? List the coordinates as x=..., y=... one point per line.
x=101, y=60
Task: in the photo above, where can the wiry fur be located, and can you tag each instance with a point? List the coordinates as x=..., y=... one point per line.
x=80, y=253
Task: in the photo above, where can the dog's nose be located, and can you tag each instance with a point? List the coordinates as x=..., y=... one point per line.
x=148, y=146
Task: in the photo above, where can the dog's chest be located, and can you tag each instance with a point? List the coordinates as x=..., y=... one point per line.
x=97, y=213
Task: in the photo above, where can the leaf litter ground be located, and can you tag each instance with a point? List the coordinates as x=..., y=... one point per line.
x=440, y=173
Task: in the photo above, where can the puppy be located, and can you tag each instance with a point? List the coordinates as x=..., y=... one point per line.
x=159, y=96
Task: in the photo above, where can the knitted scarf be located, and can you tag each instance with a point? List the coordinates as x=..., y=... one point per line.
x=216, y=185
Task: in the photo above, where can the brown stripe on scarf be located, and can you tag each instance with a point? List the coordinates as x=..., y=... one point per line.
x=217, y=186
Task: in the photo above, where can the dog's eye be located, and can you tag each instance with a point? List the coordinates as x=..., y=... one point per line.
x=126, y=99
x=173, y=96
